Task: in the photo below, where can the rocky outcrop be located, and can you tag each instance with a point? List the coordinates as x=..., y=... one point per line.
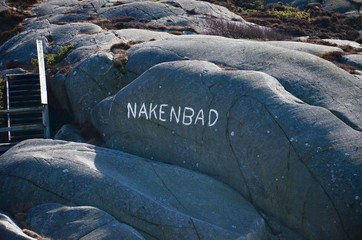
x=289, y=158
x=313, y=80
x=9, y=230
x=161, y=201
x=60, y=222
x=314, y=49
x=91, y=81
x=3, y=5
x=69, y=133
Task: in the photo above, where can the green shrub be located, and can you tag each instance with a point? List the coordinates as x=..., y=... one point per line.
x=290, y=12
x=52, y=59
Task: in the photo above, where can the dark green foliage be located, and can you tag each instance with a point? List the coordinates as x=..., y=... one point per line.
x=52, y=59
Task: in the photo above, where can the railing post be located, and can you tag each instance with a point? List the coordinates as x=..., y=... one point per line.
x=43, y=87
x=8, y=106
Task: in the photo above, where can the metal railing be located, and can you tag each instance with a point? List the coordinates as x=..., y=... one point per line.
x=24, y=88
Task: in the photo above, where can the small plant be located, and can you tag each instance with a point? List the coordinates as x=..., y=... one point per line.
x=52, y=59
x=290, y=12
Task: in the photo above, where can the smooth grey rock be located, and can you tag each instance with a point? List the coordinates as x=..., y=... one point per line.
x=204, y=8
x=69, y=133
x=78, y=34
x=353, y=60
x=53, y=7
x=9, y=230
x=64, y=33
x=312, y=79
x=142, y=35
x=90, y=82
x=68, y=18
x=340, y=6
x=291, y=159
x=89, y=6
x=147, y=10
x=57, y=86
x=3, y=5
x=60, y=222
x=344, y=43
x=314, y=49
x=161, y=201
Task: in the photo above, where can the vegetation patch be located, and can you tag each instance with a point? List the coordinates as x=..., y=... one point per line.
x=234, y=29
x=132, y=22
x=290, y=12
x=312, y=21
x=52, y=59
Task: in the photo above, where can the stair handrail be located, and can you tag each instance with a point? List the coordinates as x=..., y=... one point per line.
x=43, y=87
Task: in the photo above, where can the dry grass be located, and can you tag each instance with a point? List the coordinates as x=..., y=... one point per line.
x=34, y=235
x=234, y=29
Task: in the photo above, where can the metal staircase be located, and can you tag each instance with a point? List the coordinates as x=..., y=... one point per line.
x=27, y=106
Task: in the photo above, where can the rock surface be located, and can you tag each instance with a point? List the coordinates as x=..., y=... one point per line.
x=69, y=133
x=289, y=158
x=9, y=230
x=3, y=5
x=346, y=43
x=310, y=78
x=354, y=60
x=159, y=200
x=314, y=49
x=60, y=222
x=90, y=82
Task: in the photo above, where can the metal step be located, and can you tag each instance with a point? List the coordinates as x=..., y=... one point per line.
x=26, y=115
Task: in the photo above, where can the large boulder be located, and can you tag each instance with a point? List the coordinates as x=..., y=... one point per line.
x=313, y=80
x=3, y=5
x=161, y=201
x=314, y=49
x=54, y=37
x=90, y=82
x=9, y=230
x=142, y=9
x=295, y=161
x=60, y=222
x=354, y=60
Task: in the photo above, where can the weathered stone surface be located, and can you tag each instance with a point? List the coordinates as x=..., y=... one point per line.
x=314, y=49
x=68, y=18
x=53, y=7
x=60, y=222
x=142, y=35
x=90, y=82
x=78, y=34
x=344, y=43
x=69, y=133
x=89, y=6
x=9, y=230
x=295, y=161
x=340, y=6
x=353, y=60
x=161, y=201
x=57, y=86
x=3, y=5
x=146, y=10
x=204, y=8
x=310, y=78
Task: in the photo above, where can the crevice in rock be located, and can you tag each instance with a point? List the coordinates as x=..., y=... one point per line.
x=165, y=185
x=197, y=233
x=345, y=119
x=67, y=201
